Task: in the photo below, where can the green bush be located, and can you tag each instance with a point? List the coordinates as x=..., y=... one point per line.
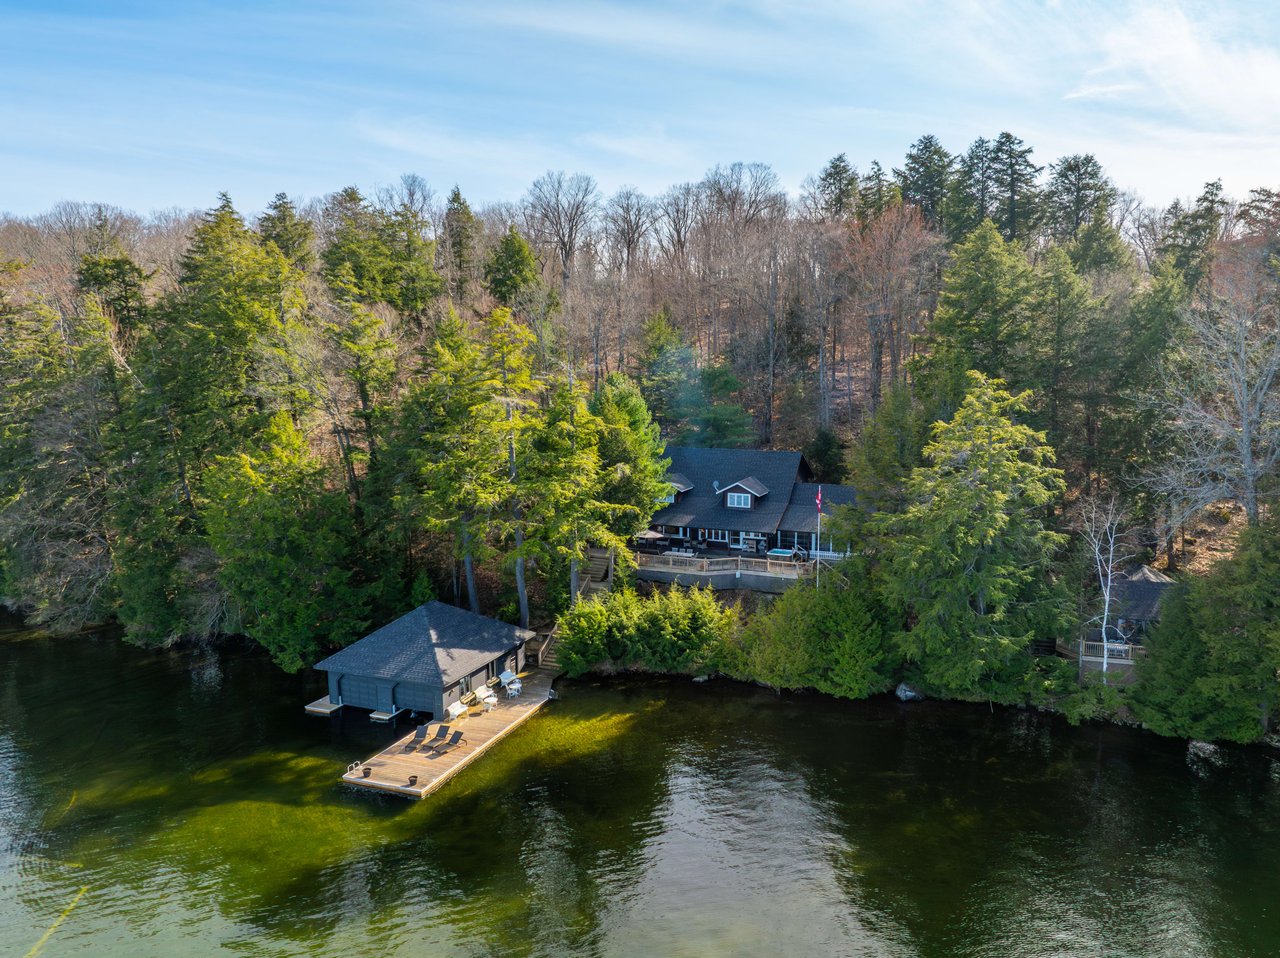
x=833, y=639
x=681, y=630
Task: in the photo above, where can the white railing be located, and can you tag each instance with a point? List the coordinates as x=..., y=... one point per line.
x=1116, y=651
x=705, y=565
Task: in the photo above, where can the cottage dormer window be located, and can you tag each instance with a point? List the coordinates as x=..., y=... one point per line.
x=738, y=500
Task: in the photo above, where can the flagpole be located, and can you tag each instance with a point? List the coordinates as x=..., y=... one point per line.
x=818, y=557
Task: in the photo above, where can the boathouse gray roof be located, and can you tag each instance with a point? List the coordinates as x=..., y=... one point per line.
x=435, y=644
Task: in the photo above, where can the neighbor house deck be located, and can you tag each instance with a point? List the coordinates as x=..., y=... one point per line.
x=391, y=769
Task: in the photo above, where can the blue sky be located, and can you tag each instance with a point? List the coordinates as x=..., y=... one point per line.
x=154, y=105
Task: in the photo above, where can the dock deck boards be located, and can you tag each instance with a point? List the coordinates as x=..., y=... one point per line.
x=390, y=769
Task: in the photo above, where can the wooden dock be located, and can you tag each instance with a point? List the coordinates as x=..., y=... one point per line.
x=390, y=770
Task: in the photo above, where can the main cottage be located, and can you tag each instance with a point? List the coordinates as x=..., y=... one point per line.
x=746, y=502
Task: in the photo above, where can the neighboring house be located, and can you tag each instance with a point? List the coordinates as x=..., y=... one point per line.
x=746, y=502
x=1136, y=598
x=423, y=661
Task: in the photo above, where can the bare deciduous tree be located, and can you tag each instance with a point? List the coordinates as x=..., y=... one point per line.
x=1224, y=401
x=561, y=211
x=1100, y=525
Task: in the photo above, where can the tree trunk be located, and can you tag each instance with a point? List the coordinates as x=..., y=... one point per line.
x=469, y=568
x=522, y=590
x=875, y=371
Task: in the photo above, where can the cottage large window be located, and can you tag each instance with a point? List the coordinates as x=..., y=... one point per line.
x=739, y=500
x=718, y=535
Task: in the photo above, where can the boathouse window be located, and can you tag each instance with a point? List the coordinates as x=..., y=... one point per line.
x=739, y=500
x=718, y=535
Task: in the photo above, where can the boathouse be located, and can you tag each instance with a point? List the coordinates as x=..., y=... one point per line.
x=423, y=661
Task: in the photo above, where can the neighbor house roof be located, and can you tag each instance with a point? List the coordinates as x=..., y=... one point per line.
x=435, y=644
x=802, y=512
x=1139, y=593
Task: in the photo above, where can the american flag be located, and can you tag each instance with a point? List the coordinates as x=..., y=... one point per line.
x=819, y=499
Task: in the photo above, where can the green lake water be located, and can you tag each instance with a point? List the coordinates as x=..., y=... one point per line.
x=174, y=804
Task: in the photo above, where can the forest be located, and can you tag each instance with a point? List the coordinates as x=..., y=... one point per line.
x=292, y=425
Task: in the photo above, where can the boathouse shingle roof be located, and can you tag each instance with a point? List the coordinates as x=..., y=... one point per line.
x=435, y=644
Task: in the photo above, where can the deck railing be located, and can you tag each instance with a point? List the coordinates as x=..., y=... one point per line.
x=1117, y=651
x=708, y=565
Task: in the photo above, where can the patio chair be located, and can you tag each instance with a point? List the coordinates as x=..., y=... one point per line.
x=514, y=688
x=456, y=711
x=444, y=748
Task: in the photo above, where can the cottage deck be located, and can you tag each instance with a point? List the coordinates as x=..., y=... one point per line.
x=710, y=565
x=391, y=768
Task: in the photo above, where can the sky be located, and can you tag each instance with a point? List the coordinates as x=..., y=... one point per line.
x=150, y=106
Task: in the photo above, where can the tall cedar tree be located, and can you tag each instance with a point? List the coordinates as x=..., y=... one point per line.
x=508, y=352
x=285, y=549
x=292, y=235
x=837, y=189
x=458, y=447
x=1016, y=195
x=460, y=248
x=983, y=319
x=925, y=178
x=632, y=467
x=1078, y=192
x=1213, y=666
x=512, y=269
x=967, y=563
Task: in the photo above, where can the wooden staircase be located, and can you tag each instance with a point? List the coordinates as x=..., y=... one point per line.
x=599, y=572
x=547, y=657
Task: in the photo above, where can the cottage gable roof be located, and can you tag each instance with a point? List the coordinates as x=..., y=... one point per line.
x=802, y=511
x=435, y=644
x=751, y=484
x=771, y=471
x=681, y=482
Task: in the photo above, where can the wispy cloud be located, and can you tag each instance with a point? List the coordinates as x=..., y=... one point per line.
x=1189, y=64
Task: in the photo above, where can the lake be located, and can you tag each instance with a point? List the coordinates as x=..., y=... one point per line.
x=181, y=803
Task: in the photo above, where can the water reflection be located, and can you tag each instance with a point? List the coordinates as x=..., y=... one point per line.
x=200, y=807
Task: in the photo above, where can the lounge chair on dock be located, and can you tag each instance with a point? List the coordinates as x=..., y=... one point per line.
x=419, y=736
x=444, y=748
x=442, y=732
x=456, y=711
